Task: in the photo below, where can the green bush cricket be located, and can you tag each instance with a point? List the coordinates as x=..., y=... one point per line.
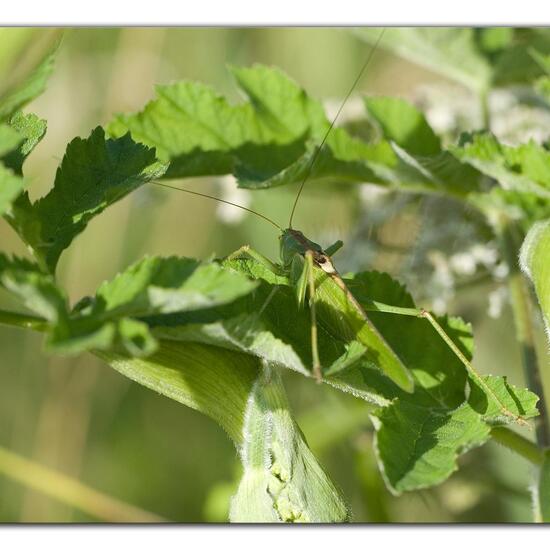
x=312, y=274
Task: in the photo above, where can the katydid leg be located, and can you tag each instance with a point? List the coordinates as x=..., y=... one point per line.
x=413, y=312
x=308, y=266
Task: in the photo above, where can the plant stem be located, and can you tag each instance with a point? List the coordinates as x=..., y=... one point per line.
x=21, y=320
x=523, y=320
x=71, y=491
x=485, y=110
x=519, y=444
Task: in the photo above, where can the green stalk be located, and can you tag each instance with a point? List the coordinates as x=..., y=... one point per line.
x=522, y=309
x=485, y=111
x=21, y=320
x=71, y=491
x=519, y=444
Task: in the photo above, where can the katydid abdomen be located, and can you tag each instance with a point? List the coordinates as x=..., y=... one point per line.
x=339, y=313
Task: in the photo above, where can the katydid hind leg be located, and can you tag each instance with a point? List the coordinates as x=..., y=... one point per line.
x=308, y=267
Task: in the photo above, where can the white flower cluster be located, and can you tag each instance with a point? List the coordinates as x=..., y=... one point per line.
x=230, y=192
x=515, y=117
x=446, y=270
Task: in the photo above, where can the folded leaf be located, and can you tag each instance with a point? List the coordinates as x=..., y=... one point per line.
x=282, y=480
x=534, y=261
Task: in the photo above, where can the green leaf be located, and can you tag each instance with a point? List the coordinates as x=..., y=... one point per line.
x=35, y=289
x=440, y=399
x=522, y=169
x=518, y=401
x=418, y=446
x=211, y=380
x=451, y=52
x=476, y=58
x=9, y=139
x=94, y=174
x=495, y=39
x=515, y=64
x=152, y=286
x=282, y=480
x=534, y=255
x=169, y=285
x=200, y=133
x=404, y=124
x=30, y=130
x=33, y=85
x=11, y=186
x=263, y=142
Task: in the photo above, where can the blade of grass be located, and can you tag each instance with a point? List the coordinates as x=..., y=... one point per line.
x=71, y=491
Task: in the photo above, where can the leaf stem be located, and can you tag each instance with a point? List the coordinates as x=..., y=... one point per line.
x=519, y=444
x=510, y=240
x=71, y=491
x=485, y=110
x=21, y=320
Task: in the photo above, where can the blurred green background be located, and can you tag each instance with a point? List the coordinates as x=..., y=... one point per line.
x=79, y=417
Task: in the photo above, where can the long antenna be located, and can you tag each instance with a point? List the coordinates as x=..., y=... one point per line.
x=318, y=150
x=219, y=200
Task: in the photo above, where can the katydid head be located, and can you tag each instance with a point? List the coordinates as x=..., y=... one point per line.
x=294, y=242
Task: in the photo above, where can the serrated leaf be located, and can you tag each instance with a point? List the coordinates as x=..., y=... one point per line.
x=488, y=401
x=522, y=169
x=30, y=130
x=152, y=286
x=534, y=261
x=264, y=142
x=418, y=446
x=200, y=133
x=33, y=85
x=440, y=398
x=95, y=173
x=169, y=285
